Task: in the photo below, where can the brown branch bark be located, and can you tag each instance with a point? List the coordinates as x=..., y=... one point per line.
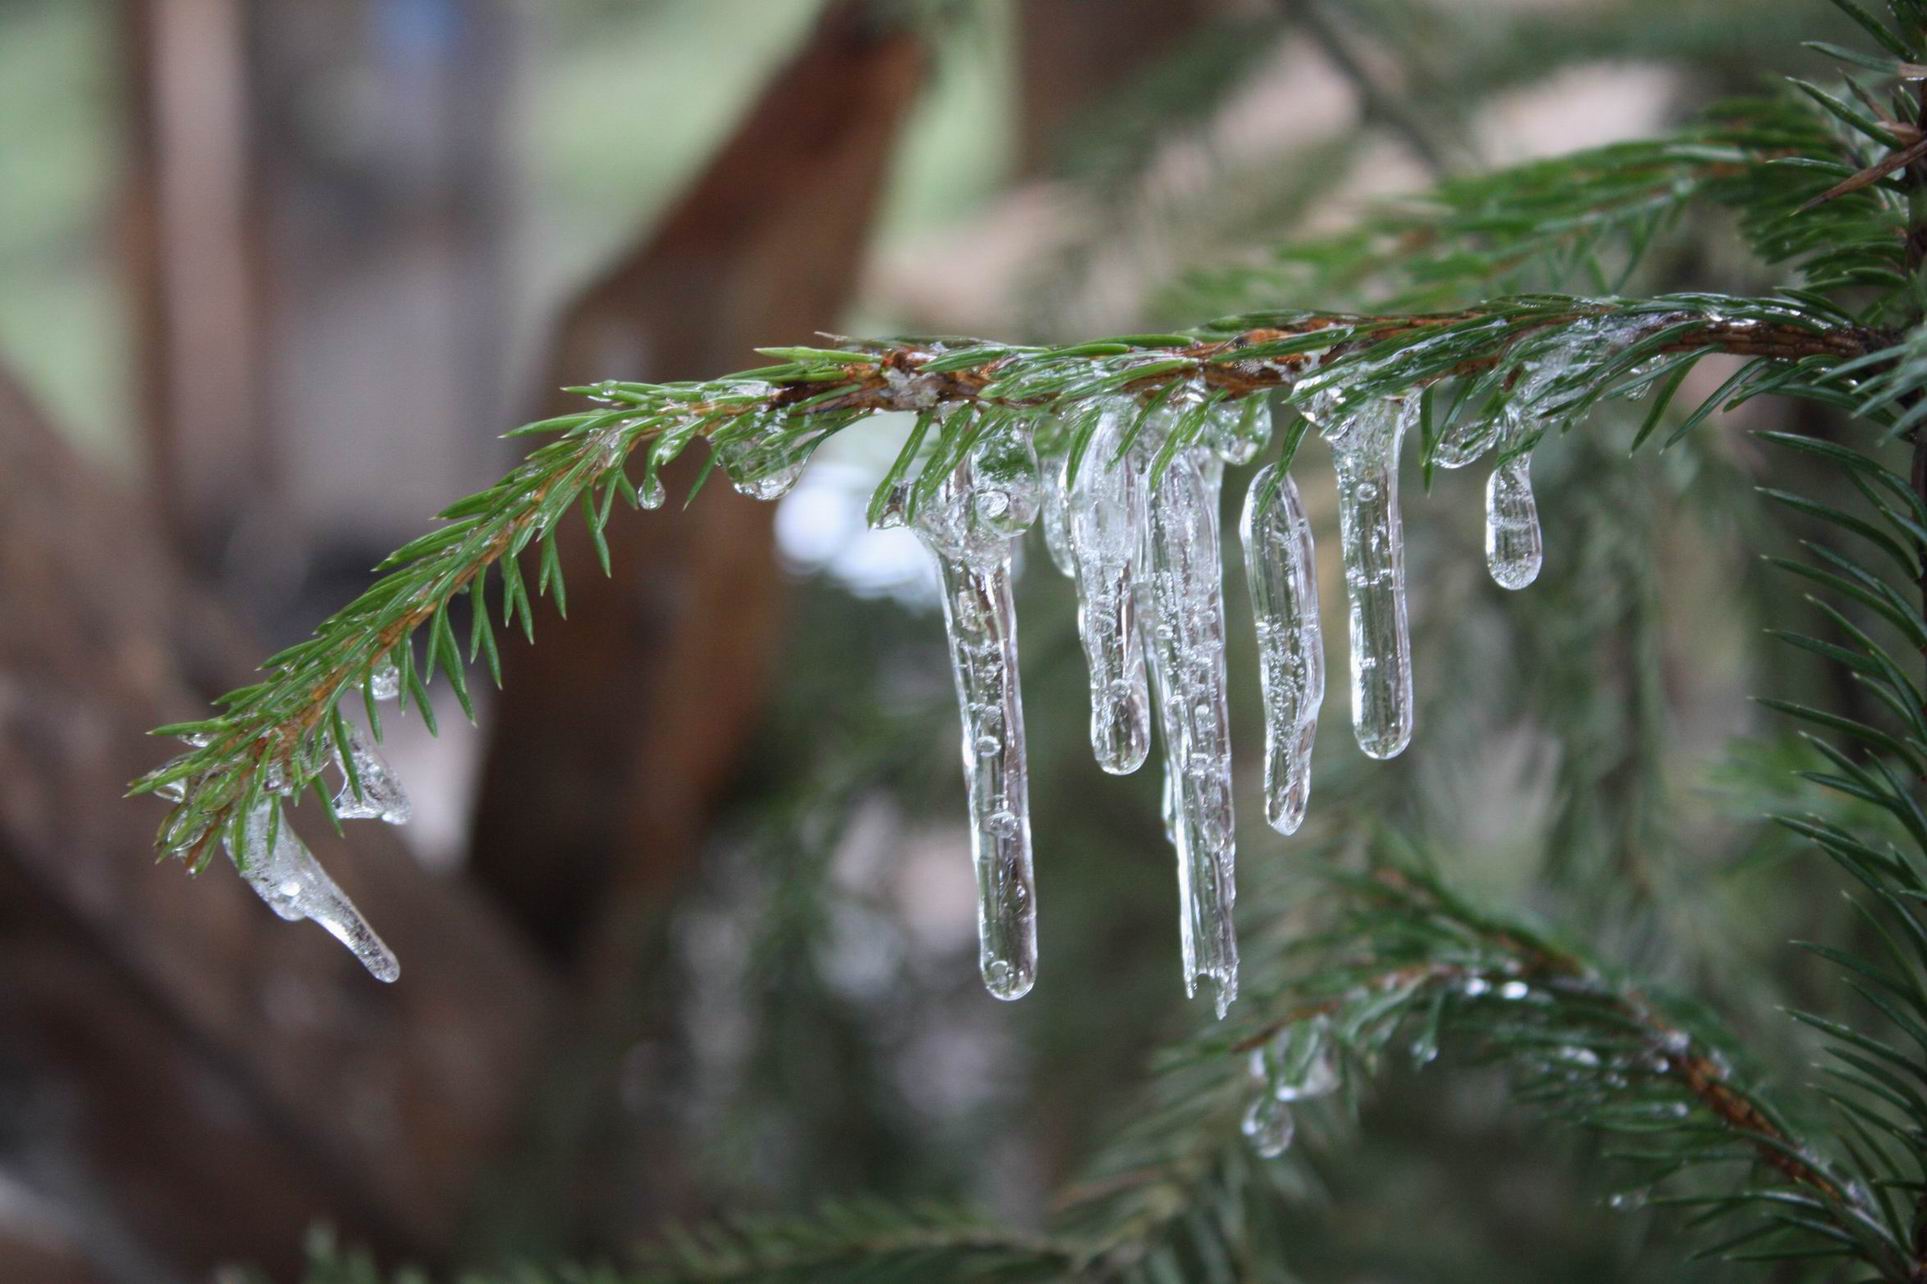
x=225, y=1078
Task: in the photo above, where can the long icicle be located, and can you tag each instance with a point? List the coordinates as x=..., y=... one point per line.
x=1365, y=442
x=1185, y=643
x=1105, y=523
x=1282, y=572
x=965, y=527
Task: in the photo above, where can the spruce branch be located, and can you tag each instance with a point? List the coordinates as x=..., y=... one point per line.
x=281, y=734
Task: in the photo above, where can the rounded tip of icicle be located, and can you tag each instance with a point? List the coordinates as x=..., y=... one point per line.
x=385, y=968
x=1006, y=981
x=1385, y=747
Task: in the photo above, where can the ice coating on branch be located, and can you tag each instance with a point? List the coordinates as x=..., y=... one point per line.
x=1463, y=441
x=1183, y=625
x=382, y=797
x=384, y=678
x=294, y=885
x=965, y=534
x=1365, y=438
x=1238, y=430
x=1281, y=570
x=1300, y=1061
x=764, y=457
x=1106, y=528
x=1006, y=489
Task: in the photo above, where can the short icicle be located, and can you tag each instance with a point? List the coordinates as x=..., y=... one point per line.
x=967, y=526
x=1105, y=524
x=381, y=796
x=1184, y=638
x=1365, y=443
x=1283, y=576
x=1515, y=547
x=295, y=887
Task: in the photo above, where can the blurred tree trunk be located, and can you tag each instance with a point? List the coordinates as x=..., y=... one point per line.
x=615, y=737
x=1069, y=57
x=224, y=1078
x=193, y=240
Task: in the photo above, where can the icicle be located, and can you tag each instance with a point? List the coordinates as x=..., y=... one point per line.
x=1106, y=527
x=1514, y=545
x=1283, y=575
x=295, y=887
x=1185, y=643
x=1056, y=519
x=765, y=460
x=1365, y=441
x=382, y=796
x=961, y=527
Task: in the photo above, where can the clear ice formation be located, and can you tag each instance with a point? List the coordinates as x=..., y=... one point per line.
x=1514, y=545
x=382, y=797
x=1238, y=430
x=1297, y=1064
x=294, y=885
x=969, y=526
x=1283, y=575
x=1364, y=439
x=1056, y=519
x=1105, y=511
x=764, y=461
x=1183, y=628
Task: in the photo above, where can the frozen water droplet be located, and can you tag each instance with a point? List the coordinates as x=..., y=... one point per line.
x=1238, y=430
x=382, y=796
x=1514, y=990
x=1106, y=529
x=764, y=458
x=1514, y=545
x=650, y=493
x=1365, y=442
x=384, y=679
x=980, y=620
x=295, y=887
x=1281, y=570
x=1182, y=586
x=1475, y=986
x=1463, y=442
x=1301, y=1061
x=1268, y=1126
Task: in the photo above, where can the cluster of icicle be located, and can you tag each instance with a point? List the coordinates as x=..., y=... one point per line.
x=283, y=872
x=1145, y=556
x=1146, y=559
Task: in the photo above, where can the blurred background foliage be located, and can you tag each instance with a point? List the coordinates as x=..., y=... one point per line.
x=406, y=200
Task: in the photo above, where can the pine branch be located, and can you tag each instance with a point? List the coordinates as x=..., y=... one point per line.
x=279, y=735
x=1408, y=961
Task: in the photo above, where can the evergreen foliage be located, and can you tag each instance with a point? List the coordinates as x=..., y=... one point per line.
x=1485, y=276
